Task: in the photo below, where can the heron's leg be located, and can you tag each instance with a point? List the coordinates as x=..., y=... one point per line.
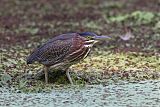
x=46, y=73
x=68, y=76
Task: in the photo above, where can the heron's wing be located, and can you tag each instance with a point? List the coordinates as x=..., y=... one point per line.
x=54, y=52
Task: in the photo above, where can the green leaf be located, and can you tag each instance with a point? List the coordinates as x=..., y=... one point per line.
x=157, y=26
x=5, y=78
x=119, y=18
x=33, y=31
x=22, y=83
x=142, y=17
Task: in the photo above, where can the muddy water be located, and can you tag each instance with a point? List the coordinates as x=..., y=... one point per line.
x=141, y=94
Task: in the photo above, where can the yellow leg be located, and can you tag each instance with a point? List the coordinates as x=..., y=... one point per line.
x=46, y=74
x=68, y=76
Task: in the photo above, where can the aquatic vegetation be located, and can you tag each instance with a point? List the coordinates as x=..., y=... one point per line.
x=25, y=25
x=119, y=94
x=101, y=66
x=137, y=17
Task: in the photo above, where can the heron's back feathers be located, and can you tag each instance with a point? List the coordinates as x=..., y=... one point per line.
x=52, y=51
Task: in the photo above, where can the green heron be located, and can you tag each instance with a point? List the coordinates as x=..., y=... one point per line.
x=64, y=50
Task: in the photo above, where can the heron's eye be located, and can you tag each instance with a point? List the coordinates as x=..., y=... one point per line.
x=89, y=37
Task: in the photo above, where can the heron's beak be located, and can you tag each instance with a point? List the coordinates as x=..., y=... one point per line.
x=102, y=37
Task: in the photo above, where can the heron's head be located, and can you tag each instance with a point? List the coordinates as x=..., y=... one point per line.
x=92, y=38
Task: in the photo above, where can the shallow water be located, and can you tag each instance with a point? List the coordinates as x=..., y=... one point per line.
x=145, y=93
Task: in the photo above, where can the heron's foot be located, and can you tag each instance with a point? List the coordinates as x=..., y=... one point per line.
x=46, y=74
x=53, y=75
x=69, y=78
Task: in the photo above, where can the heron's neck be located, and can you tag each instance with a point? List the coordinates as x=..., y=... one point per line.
x=90, y=43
